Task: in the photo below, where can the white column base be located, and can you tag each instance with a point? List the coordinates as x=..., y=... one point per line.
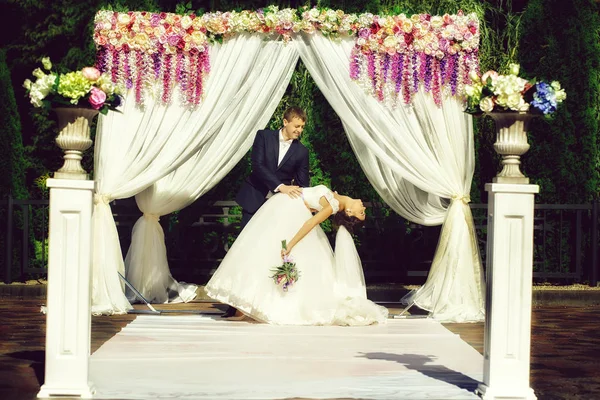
x=84, y=392
x=506, y=394
x=68, y=316
x=509, y=280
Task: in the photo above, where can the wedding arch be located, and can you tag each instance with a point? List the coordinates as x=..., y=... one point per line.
x=197, y=88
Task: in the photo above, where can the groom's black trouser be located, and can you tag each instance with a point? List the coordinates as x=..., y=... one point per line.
x=245, y=218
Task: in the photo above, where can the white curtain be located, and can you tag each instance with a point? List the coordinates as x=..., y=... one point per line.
x=139, y=146
x=146, y=262
x=415, y=156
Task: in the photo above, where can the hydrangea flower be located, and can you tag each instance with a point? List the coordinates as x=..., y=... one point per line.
x=86, y=88
x=494, y=92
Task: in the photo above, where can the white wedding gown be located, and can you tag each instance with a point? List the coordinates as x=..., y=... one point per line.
x=325, y=294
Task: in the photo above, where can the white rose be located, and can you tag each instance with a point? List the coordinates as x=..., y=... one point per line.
x=123, y=18
x=486, y=104
x=38, y=73
x=473, y=76
x=514, y=101
x=437, y=21
x=523, y=106
x=502, y=100
x=186, y=21
x=390, y=41
x=561, y=95
x=473, y=90
x=46, y=63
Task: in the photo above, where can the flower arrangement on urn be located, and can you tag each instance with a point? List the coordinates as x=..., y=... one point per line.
x=512, y=102
x=76, y=97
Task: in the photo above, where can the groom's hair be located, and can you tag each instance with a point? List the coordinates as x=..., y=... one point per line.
x=294, y=112
x=347, y=221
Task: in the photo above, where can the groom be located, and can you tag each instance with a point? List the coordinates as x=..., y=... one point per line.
x=279, y=164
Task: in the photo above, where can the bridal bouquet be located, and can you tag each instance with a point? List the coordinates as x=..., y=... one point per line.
x=87, y=88
x=285, y=274
x=494, y=92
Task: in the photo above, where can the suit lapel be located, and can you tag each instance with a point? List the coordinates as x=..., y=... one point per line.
x=289, y=153
x=274, y=151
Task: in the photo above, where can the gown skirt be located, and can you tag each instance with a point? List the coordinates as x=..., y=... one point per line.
x=243, y=278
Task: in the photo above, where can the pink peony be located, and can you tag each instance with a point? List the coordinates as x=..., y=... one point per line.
x=97, y=98
x=91, y=73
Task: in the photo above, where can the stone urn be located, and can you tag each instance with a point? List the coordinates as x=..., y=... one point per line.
x=511, y=144
x=73, y=138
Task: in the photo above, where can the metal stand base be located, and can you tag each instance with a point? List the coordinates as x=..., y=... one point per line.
x=153, y=310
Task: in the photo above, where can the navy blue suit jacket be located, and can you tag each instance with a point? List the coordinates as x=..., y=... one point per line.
x=267, y=175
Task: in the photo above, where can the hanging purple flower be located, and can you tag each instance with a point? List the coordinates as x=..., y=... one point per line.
x=443, y=72
x=166, y=94
x=453, y=70
x=400, y=73
x=415, y=73
x=428, y=73
x=115, y=66
x=127, y=69
x=386, y=66
x=156, y=60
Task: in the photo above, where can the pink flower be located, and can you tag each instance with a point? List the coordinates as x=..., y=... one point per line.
x=91, y=73
x=97, y=98
x=489, y=74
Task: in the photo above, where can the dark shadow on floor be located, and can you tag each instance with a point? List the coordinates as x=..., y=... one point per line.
x=419, y=363
x=38, y=362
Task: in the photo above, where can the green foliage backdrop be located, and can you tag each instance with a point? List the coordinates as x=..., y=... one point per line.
x=553, y=39
x=560, y=42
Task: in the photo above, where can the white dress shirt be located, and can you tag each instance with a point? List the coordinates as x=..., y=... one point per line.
x=284, y=146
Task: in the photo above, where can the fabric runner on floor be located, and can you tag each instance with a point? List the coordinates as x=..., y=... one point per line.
x=199, y=357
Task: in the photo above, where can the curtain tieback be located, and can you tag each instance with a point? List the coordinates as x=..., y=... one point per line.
x=101, y=199
x=152, y=217
x=464, y=198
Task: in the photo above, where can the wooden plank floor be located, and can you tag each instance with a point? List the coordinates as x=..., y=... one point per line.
x=565, y=346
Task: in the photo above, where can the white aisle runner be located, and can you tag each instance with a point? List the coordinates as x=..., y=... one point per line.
x=196, y=357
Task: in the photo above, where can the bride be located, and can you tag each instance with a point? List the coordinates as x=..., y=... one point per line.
x=330, y=289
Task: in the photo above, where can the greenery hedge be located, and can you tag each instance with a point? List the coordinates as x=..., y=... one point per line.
x=552, y=39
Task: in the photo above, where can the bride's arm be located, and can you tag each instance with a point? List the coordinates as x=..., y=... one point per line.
x=308, y=226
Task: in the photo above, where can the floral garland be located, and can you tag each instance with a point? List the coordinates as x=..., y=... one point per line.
x=392, y=56
x=395, y=55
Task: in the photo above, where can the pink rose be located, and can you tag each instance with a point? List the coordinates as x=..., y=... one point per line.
x=490, y=74
x=91, y=73
x=97, y=98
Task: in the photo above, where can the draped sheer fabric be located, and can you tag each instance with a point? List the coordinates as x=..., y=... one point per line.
x=260, y=93
x=350, y=278
x=419, y=158
x=138, y=146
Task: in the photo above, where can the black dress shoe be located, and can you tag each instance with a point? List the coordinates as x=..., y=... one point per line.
x=230, y=312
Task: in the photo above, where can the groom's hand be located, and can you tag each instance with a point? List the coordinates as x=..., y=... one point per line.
x=292, y=191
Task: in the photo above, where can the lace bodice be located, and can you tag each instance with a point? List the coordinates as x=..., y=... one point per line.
x=312, y=195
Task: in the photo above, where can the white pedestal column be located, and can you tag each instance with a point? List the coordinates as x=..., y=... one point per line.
x=509, y=274
x=68, y=317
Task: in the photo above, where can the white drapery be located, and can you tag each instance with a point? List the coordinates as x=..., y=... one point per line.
x=414, y=156
x=260, y=93
x=137, y=147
